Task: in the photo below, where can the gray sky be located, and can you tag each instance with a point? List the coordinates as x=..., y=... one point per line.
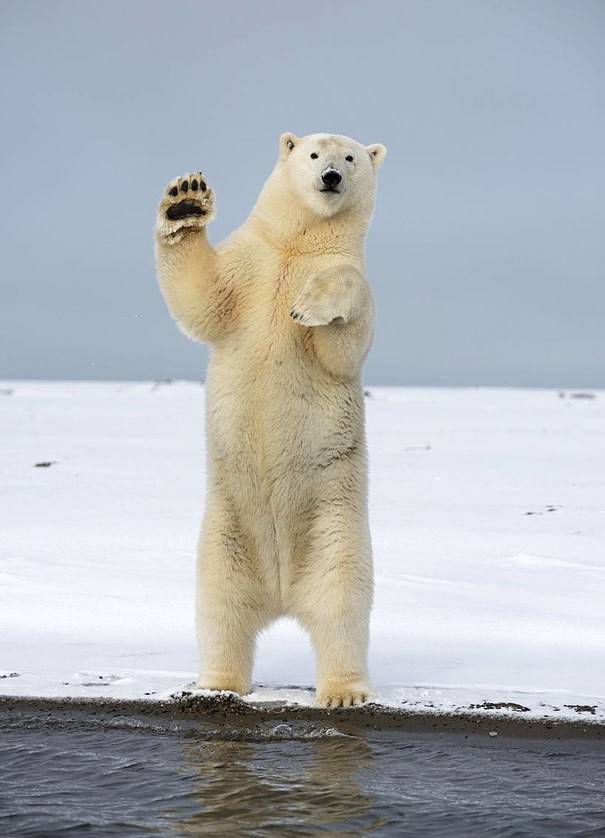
x=487, y=253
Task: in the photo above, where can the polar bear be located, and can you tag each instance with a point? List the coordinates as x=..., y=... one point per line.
x=285, y=304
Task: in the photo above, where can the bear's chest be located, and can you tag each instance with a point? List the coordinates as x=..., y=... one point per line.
x=268, y=340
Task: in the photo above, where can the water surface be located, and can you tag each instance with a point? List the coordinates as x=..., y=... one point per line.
x=137, y=777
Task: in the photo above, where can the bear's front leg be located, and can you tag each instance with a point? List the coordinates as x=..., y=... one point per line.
x=198, y=292
x=331, y=296
x=338, y=302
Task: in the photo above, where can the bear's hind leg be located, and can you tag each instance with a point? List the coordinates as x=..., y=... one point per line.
x=231, y=604
x=333, y=597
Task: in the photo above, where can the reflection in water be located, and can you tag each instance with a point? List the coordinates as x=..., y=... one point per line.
x=285, y=784
x=109, y=776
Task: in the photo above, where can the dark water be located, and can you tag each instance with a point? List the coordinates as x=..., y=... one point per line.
x=128, y=777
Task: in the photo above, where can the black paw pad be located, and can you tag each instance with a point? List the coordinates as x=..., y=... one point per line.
x=203, y=185
x=194, y=185
x=184, y=186
x=183, y=209
x=174, y=191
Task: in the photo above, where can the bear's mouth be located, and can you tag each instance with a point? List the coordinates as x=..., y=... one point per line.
x=330, y=189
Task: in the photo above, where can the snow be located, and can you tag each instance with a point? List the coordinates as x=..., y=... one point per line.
x=488, y=519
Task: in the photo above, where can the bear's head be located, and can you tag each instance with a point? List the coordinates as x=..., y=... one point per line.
x=330, y=173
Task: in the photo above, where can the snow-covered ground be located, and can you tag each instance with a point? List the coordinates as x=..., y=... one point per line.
x=488, y=521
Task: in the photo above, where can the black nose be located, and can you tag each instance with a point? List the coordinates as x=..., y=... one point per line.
x=331, y=177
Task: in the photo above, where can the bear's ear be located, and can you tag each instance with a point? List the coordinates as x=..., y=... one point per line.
x=377, y=154
x=287, y=143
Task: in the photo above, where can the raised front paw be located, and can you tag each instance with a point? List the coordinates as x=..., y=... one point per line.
x=187, y=204
x=323, y=301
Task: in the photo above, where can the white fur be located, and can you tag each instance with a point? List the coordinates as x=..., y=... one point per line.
x=288, y=311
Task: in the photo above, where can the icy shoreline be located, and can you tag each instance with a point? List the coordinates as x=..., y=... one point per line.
x=488, y=521
x=228, y=713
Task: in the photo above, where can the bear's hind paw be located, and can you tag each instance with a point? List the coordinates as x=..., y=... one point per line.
x=344, y=695
x=223, y=682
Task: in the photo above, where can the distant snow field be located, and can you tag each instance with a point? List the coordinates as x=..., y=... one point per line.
x=488, y=525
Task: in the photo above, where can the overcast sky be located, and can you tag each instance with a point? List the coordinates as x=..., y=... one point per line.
x=487, y=252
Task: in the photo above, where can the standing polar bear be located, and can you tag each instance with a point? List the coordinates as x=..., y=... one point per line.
x=285, y=304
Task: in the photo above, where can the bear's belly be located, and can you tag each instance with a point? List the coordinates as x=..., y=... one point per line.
x=277, y=422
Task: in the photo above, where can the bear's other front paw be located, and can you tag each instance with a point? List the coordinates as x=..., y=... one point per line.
x=187, y=205
x=324, y=300
x=317, y=308
x=310, y=314
x=343, y=694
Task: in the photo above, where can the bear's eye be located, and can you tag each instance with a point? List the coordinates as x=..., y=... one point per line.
x=314, y=156
x=349, y=158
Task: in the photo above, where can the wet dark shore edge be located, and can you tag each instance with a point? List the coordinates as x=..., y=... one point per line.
x=231, y=711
